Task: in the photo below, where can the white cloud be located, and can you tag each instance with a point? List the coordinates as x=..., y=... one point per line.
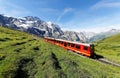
x=102, y=28
x=11, y=9
x=96, y=24
x=97, y=29
x=66, y=10
x=106, y=4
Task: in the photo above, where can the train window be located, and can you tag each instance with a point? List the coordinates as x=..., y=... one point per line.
x=72, y=45
x=61, y=42
x=78, y=46
x=85, y=48
x=68, y=44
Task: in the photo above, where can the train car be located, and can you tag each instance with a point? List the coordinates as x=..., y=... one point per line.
x=82, y=48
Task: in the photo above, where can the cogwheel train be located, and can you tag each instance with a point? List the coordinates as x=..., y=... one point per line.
x=81, y=48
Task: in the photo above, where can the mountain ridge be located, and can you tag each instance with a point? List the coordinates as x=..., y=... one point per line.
x=36, y=26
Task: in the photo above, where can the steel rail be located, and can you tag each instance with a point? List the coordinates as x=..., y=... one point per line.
x=102, y=60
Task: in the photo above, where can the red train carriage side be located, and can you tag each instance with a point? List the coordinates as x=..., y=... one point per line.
x=82, y=48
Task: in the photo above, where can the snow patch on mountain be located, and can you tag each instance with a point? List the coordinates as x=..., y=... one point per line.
x=24, y=25
x=50, y=24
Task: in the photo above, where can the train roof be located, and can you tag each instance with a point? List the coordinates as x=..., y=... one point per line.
x=86, y=44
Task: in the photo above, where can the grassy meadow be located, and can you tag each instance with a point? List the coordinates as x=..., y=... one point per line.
x=26, y=56
x=109, y=48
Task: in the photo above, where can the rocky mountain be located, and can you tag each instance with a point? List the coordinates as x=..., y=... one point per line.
x=77, y=36
x=73, y=36
x=36, y=26
x=103, y=35
x=88, y=35
x=32, y=25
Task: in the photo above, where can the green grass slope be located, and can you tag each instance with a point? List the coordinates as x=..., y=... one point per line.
x=26, y=56
x=109, y=48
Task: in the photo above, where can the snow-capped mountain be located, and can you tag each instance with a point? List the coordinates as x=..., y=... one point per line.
x=73, y=36
x=103, y=35
x=88, y=35
x=32, y=25
x=77, y=36
x=36, y=26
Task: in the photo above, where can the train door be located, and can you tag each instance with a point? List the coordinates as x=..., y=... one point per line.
x=65, y=44
x=78, y=47
x=68, y=46
x=62, y=44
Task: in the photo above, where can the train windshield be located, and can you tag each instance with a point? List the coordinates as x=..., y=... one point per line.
x=92, y=47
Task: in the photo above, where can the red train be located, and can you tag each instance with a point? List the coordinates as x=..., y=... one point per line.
x=82, y=48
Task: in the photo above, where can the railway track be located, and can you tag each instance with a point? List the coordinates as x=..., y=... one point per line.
x=98, y=59
x=108, y=62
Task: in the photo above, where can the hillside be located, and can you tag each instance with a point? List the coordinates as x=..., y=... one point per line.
x=26, y=56
x=109, y=48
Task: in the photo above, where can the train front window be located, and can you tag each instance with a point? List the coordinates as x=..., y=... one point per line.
x=85, y=48
x=92, y=47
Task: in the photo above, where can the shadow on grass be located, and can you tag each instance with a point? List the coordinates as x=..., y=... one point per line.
x=19, y=43
x=97, y=56
x=2, y=57
x=4, y=39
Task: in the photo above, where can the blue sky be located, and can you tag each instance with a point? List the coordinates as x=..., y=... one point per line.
x=76, y=15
